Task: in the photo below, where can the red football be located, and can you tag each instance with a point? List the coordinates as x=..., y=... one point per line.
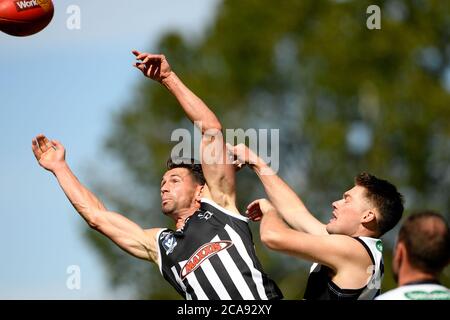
x=25, y=17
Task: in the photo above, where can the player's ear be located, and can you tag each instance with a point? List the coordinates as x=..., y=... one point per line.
x=369, y=216
x=399, y=254
x=199, y=192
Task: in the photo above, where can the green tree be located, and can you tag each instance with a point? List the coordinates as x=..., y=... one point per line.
x=346, y=99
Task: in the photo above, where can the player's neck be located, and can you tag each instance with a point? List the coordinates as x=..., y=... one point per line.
x=182, y=215
x=409, y=274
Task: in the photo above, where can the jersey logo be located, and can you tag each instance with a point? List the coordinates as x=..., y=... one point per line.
x=205, y=215
x=168, y=241
x=204, y=252
x=424, y=295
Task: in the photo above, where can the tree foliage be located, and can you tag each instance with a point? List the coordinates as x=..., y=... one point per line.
x=345, y=98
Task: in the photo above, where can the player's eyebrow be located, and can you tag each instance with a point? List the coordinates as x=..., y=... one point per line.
x=171, y=176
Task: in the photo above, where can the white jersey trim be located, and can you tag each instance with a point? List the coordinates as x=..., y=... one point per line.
x=226, y=211
x=159, y=262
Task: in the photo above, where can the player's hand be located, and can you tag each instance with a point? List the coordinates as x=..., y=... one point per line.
x=50, y=154
x=242, y=155
x=153, y=66
x=258, y=208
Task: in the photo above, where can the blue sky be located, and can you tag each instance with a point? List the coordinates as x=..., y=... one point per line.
x=66, y=83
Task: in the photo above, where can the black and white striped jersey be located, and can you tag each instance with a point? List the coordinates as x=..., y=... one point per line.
x=213, y=258
x=321, y=287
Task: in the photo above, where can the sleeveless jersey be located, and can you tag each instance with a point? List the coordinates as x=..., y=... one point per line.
x=213, y=257
x=321, y=287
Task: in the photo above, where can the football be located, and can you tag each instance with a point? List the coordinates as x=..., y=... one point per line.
x=25, y=17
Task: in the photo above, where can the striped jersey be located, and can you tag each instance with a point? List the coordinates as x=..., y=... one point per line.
x=321, y=287
x=213, y=258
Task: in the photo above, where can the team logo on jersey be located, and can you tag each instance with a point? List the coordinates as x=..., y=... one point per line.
x=205, y=215
x=204, y=252
x=168, y=241
x=424, y=295
x=379, y=245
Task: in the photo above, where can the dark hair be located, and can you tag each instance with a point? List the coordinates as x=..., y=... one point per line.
x=386, y=199
x=190, y=164
x=426, y=237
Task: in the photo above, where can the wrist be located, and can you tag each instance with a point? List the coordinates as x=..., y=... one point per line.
x=169, y=79
x=59, y=168
x=258, y=165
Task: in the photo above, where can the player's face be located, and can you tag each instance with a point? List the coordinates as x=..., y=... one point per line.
x=348, y=212
x=178, y=191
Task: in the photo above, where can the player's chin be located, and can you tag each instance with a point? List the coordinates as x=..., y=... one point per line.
x=330, y=228
x=166, y=208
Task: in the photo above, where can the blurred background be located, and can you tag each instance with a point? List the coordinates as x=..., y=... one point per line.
x=345, y=98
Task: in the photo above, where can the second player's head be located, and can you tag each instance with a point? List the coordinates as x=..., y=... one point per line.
x=371, y=208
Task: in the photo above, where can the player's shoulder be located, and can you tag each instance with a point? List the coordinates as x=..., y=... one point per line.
x=394, y=294
x=209, y=205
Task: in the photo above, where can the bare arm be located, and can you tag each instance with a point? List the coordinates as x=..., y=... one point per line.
x=341, y=253
x=219, y=173
x=285, y=200
x=125, y=233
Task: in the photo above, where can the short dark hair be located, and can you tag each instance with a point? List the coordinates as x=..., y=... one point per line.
x=386, y=199
x=190, y=164
x=426, y=237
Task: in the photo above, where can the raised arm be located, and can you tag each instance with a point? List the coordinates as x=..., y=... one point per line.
x=343, y=254
x=125, y=233
x=219, y=173
x=285, y=200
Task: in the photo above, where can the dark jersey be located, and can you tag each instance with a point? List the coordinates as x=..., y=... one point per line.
x=213, y=257
x=321, y=287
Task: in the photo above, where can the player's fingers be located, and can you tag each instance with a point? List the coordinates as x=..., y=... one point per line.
x=36, y=151
x=142, y=56
x=151, y=59
x=153, y=72
x=252, y=204
x=139, y=66
x=47, y=142
x=41, y=142
x=135, y=52
x=57, y=145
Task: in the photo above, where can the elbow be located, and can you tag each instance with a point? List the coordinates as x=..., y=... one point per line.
x=271, y=239
x=92, y=217
x=94, y=221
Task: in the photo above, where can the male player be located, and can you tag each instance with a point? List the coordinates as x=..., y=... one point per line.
x=347, y=252
x=421, y=253
x=211, y=255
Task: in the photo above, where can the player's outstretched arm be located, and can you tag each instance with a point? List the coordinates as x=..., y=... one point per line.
x=219, y=172
x=122, y=231
x=341, y=253
x=284, y=199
